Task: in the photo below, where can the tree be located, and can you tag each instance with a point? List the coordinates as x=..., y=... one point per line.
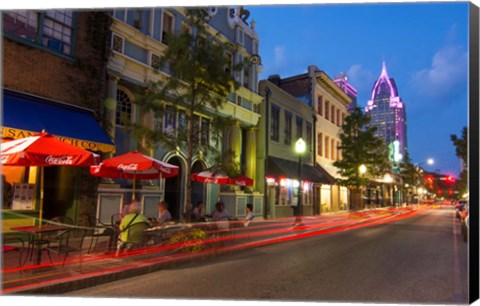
x=461, y=150
x=411, y=174
x=200, y=78
x=360, y=146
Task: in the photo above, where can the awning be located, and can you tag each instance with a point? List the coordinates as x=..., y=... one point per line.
x=24, y=115
x=278, y=167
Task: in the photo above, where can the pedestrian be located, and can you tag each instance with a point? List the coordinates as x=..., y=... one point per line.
x=249, y=215
x=198, y=213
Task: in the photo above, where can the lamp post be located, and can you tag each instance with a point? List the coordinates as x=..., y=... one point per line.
x=300, y=148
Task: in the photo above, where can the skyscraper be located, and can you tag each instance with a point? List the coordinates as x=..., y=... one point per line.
x=342, y=81
x=387, y=112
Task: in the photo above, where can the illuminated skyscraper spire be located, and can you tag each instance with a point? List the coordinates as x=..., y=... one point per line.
x=387, y=112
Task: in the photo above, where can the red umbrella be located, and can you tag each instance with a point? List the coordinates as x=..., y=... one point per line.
x=208, y=176
x=41, y=150
x=241, y=180
x=134, y=165
x=221, y=178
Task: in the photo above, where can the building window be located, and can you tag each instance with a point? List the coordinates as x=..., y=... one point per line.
x=170, y=121
x=288, y=128
x=21, y=24
x=333, y=149
x=246, y=75
x=274, y=127
x=229, y=63
x=299, y=127
x=327, y=152
x=240, y=36
x=320, y=144
x=204, y=132
x=338, y=117
x=332, y=114
x=124, y=108
x=167, y=27
x=320, y=105
x=118, y=43
x=182, y=120
x=155, y=61
x=343, y=119
x=52, y=29
x=327, y=107
x=338, y=150
x=309, y=135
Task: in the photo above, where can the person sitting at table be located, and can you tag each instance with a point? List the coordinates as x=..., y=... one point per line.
x=198, y=214
x=248, y=215
x=163, y=213
x=131, y=233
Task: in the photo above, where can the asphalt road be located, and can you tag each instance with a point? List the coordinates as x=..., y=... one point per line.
x=417, y=260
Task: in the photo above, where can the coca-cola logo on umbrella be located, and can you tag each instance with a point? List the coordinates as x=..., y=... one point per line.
x=4, y=158
x=59, y=160
x=129, y=167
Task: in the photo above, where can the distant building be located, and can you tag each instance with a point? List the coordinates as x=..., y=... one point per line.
x=342, y=81
x=329, y=103
x=387, y=112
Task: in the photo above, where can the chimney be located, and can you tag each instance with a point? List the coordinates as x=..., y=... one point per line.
x=275, y=79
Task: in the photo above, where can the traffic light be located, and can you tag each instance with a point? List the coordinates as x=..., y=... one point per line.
x=450, y=179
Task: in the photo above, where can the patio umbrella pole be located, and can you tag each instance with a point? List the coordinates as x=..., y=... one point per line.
x=40, y=216
x=133, y=188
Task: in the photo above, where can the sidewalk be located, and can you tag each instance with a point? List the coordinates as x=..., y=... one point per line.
x=98, y=267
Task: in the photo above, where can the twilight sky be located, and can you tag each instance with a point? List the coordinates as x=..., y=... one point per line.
x=425, y=47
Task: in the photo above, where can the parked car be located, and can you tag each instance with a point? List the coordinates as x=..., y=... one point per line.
x=464, y=222
x=459, y=207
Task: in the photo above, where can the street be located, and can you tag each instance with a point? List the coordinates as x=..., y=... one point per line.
x=421, y=259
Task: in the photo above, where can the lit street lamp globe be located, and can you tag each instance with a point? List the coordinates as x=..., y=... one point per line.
x=362, y=168
x=300, y=146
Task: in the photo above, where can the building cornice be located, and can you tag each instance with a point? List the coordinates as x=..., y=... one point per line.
x=333, y=88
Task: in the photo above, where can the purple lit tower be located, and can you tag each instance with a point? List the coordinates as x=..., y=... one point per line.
x=342, y=81
x=387, y=112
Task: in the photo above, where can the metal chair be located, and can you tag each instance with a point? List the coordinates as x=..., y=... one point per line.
x=69, y=241
x=103, y=230
x=8, y=247
x=136, y=237
x=46, y=239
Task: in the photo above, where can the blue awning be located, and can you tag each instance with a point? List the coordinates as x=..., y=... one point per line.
x=24, y=115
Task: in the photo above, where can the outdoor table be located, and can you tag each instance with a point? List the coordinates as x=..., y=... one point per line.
x=160, y=231
x=34, y=230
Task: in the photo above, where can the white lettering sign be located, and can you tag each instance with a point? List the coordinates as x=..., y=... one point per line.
x=130, y=167
x=60, y=160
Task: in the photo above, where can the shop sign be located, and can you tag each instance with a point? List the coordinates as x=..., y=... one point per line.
x=12, y=133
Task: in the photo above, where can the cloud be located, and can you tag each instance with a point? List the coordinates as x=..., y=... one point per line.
x=446, y=78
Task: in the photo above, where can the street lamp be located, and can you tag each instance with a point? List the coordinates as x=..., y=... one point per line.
x=362, y=169
x=300, y=148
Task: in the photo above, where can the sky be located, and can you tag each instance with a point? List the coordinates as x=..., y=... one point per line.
x=424, y=45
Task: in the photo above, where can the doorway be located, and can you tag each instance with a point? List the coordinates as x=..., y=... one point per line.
x=173, y=188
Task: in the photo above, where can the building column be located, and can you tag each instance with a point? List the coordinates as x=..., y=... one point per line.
x=110, y=106
x=251, y=152
x=235, y=134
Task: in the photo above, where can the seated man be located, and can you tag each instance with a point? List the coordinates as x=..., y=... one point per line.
x=248, y=215
x=132, y=228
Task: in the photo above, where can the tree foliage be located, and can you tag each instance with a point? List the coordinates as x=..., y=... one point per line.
x=360, y=146
x=461, y=150
x=200, y=76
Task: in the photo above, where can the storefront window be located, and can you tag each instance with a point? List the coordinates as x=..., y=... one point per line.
x=17, y=192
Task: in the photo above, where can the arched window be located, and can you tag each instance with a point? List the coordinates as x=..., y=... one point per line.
x=124, y=108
